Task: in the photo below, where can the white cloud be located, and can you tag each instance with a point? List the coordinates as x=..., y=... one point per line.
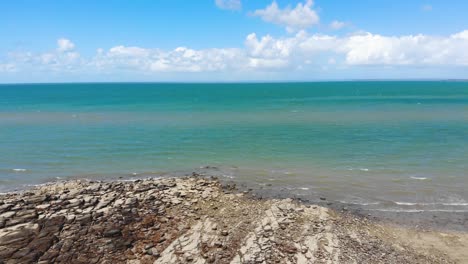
x=122, y=51
x=229, y=4
x=64, y=58
x=460, y=35
x=7, y=67
x=365, y=49
x=299, y=52
x=64, y=45
x=337, y=25
x=181, y=59
x=300, y=17
x=370, y=49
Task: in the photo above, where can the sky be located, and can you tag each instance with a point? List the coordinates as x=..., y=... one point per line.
x=231, y=40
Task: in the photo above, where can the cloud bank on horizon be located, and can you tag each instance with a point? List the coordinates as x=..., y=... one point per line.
x=297, y=51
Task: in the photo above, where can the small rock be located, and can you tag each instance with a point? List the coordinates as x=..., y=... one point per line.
x=153, y=252
x=112, y=233
x=218, y=244
x=148, y=246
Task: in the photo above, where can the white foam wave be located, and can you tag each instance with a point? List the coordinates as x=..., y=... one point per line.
x=418, y=178
x=303, y=188
x=228, y=176
x=405, y=203
x=361, y=169
x=363, y=203
x=418, y=210
x=425, y=204
x=19, y=170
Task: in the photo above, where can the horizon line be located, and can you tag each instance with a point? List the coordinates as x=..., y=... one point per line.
x=243, y=82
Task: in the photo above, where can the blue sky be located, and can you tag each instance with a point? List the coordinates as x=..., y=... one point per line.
x=231, y=40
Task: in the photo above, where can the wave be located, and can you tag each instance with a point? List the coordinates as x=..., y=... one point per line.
x=419, y=210
x=19, y=170
x=361, y=169
x=418, y=178
x=363, y=203
x=425, y=204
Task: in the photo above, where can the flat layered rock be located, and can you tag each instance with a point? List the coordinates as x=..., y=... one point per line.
x=190, y=220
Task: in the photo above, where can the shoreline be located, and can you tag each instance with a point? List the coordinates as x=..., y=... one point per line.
x=435, y=220
x=199, y=220
x=449, y=220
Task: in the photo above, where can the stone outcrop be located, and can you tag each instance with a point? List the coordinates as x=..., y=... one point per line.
x=184, y=220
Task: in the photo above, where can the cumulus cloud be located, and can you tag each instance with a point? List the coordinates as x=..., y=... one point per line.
x=63, y=58
x=371, y=49
x=365, y=49
x=298, y=18
x=229, y=4
x=337, y=25
x=181, y=59
x=7, y=67
x=301, y=51
x=65, y=45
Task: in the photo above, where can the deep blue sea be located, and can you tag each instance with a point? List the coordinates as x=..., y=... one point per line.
x=385, y=145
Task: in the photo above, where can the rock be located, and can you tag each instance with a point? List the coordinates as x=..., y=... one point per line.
x=218, y=244
x=131, y=201
x=290, y=249
x=323, y=198
x=7, y=215
x=84, y=219
x=105, y=202
x=74, y=203
x=5, y=207
x=112, y=233
x=148, y=246
x=134, y=222
x=43, y=206
x=176, y=201
x=153, y=252
x=211, y=259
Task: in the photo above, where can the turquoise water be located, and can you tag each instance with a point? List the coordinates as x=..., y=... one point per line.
x=388, y=144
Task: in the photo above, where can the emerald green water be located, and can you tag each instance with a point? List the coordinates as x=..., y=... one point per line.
x=383, y=144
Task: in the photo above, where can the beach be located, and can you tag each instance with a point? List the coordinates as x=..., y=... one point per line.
x=396, y=146
x=372, y=172
x=234, y=132
x=197, y=219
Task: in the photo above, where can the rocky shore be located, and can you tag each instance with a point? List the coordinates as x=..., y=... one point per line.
x=198, y=220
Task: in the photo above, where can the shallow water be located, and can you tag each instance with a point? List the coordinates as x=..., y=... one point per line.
x=382, y=145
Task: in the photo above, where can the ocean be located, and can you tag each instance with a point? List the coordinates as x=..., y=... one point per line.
x=389, y=146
